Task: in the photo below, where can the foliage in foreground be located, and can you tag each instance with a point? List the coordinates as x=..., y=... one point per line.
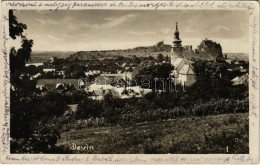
x=38, y=143
x=227, y=133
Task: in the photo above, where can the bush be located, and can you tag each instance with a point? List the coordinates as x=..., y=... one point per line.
x=134, y=114
x=38, y=143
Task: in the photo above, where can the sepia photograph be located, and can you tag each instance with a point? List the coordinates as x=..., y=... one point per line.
x=129, y=82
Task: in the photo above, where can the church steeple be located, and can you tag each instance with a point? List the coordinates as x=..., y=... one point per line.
x=177, y=50
x=177, y=41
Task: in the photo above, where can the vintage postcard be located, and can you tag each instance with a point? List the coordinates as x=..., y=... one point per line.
x=129, y=82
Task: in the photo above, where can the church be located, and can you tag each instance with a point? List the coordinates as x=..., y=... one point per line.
x=183, y=71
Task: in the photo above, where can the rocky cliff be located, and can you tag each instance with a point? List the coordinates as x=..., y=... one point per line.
x=213, y=48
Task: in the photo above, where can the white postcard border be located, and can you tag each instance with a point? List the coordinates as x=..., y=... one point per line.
x=252, y=158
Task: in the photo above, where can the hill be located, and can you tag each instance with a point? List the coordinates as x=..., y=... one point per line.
x=159, y=48
x=212, y=134
x=212, y=48
x=207, y=50
x=43, y=56
x=237, y=56
x=138, y=51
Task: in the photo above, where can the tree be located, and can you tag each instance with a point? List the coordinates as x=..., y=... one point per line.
x=27, y=110
x=15, y=28
x=22, y=55
x=212, y=80
x=160, y=57
x=75, y=70
x=167, y=59
x=154, y=72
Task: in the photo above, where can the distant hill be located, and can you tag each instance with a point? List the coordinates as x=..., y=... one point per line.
x=138, y=51
x=212, y=48
x=42, y=56
x=206, y=51
x=237, y=56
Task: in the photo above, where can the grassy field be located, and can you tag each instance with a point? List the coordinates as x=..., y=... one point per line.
x=212, y=134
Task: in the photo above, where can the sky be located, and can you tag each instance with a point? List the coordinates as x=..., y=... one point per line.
x=82, y=30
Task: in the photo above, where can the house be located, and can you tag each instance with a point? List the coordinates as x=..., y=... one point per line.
x=94, y=87
x=52, y=84
x=106, y=72
x=97, y=94
x=92, y=72
x=73, y=107
x=127, y=75
x=114, y=84
x=127, y=68
x=183, y=73
x=61, y=72
x=35, y=76
x=100, y=83
x=237, y=62
x=48, y=70
x=119, y=71
x=240, y=80
x=118, y=76
x=229, y=61
x=34, y=64
x=123, y=65
x=113, y=79
x=132, y=91
x=52, y=59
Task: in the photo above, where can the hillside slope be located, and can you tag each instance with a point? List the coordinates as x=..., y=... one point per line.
x=212, y=134
x=153, y=51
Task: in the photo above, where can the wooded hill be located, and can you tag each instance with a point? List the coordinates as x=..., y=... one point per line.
x=207, y=50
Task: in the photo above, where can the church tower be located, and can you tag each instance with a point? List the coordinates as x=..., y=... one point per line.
x=176, y=51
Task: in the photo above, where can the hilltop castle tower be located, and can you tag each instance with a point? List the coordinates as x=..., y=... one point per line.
x=176, y=51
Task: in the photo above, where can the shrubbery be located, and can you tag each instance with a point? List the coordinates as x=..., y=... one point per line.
x=38, y=143
x=131, y=114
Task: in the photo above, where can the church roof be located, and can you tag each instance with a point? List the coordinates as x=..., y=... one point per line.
x=179, y=63
x=187, y=69
x=98, y=92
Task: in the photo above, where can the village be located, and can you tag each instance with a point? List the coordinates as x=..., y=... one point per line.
x=119, y=79
x=124, y=79
x=121, y=82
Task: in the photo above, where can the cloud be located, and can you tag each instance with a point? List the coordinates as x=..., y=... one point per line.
x=35, y=36
x=112, y=22
x=219, y=29
x=188, y=31
x=44, y=11
x=40, y=21
x=141, y=33
x=54, y=38
x=166, y=30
